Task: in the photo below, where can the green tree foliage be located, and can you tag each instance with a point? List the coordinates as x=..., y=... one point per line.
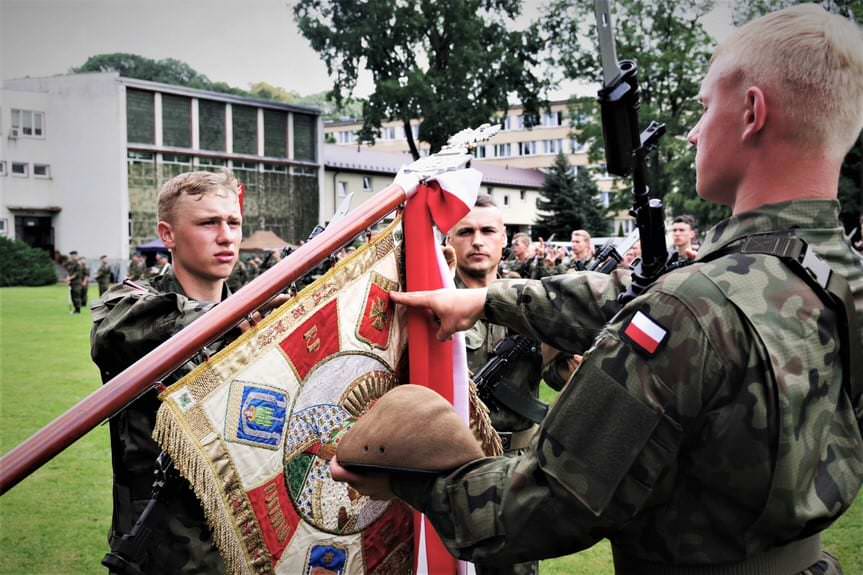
x=167, y=71
x=668, y=42
x=21, y=265
x=569, y=201
x=851, y=176
x=452, y=63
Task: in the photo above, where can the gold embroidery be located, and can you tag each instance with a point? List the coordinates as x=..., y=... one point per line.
x=313, y=342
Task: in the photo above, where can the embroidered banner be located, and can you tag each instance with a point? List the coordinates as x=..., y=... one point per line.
x=253, y=429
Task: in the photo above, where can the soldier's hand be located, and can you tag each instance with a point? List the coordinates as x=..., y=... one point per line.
x=374, y=485
x=454, y=309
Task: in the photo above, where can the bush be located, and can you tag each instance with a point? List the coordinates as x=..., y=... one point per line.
x=21, y=265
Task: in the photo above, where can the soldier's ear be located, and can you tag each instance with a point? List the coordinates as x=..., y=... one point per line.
x=166, y=234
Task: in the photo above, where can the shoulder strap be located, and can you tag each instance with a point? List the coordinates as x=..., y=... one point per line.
x=830, y=287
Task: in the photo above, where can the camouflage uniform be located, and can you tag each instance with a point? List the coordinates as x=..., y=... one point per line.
x=533, y=268
x=85, y=280
x=74, y=271
x=127, y=324
x=136, y=270
x=735, y=438
x=103, y=278
x=516, y=430
x=574, y=265
x=239, y=276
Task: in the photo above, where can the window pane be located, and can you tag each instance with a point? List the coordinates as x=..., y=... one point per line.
x=305, y=137
x=211, y=125
x=27, y=122
x=275, y=134
x=140, y=117
x=245, y=127
x=176, y=121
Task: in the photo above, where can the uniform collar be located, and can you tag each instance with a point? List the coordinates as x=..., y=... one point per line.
x=167, y=282
x=806, y=214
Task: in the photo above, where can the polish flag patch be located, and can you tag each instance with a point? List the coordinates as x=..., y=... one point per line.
x=645, y=334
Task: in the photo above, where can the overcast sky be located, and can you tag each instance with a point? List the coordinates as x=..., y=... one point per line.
x=235, y=41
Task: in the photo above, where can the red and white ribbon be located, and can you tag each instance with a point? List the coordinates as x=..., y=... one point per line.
x=439, y=365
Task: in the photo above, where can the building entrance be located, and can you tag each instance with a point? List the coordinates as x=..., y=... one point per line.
x=36, y=231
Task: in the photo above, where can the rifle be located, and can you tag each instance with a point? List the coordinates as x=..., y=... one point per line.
x=626, y=152
x=611, y=254
x=147, y=372
x=490, y=385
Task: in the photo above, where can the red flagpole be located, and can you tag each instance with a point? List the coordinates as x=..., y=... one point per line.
x=143, y=374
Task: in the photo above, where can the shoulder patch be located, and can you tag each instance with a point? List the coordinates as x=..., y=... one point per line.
x=645, y=334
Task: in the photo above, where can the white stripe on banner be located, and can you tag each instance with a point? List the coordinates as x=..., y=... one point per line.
x=463, y=184
x=648, y=326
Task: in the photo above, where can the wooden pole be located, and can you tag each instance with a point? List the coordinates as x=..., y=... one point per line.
x=144, y=373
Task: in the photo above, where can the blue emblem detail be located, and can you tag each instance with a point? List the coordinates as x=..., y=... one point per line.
x=262, y=415
x=327, y=559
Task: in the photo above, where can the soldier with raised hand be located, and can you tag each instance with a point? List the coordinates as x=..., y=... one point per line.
x=200, y=222
x=714, y=424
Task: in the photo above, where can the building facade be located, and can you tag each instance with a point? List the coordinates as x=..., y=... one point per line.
x=82, y=158
x=364, y=171
x=515, y=146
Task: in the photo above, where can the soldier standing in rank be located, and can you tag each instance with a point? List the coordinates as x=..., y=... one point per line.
x=136, y=268
x=73, y=279
x=200, y=222
x=527, y=261
x=103, y=275
x=582, y=252
x=478, y=240
x=714, y=426
x=683, y=236
x=85, y=279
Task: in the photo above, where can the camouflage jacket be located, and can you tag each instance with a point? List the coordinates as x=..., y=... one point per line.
x=103, y=275
x=525, y=374
x=735, y=436
x=74, y=272
x=127, y=324
x=533, y=268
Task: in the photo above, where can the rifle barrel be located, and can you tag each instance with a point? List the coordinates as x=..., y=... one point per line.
x=171, y=354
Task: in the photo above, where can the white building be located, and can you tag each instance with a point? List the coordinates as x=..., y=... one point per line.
x=83, y=155
x=365, y=171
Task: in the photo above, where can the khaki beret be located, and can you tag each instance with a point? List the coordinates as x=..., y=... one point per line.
x=410, y=428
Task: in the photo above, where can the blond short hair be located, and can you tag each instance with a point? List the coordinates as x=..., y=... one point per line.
x=195, y=184
x=814, y=62
x=580, y=234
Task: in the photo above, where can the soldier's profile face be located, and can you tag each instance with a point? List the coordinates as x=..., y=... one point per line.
x=716, y=136
x=478, y=241
x=205, y=234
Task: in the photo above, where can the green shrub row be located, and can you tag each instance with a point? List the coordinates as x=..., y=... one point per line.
x=21, y=265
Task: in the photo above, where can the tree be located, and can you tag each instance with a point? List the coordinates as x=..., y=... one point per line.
x=167, y=71
x=668, y=42
x=569, y=201
x=451, y=63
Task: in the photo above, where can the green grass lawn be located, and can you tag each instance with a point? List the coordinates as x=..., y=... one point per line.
x=56, y=521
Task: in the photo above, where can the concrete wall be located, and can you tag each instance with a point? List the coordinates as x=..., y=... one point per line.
x=84, y=143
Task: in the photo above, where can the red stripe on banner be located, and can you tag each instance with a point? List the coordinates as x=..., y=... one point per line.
x=431, y=361
x=639, y=337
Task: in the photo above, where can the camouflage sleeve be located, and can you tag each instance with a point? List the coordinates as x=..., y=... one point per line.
x=613, y=434
x=566, y=311
x=127, y=327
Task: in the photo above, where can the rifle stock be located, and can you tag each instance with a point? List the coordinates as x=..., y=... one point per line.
x=138, y=378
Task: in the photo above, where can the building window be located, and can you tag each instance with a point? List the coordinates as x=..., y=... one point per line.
x=3, y=227
x=140, y=117
x=304, y=171
x=526, y=148
x=522, y=195
x=178, y=159
x=575, y=146
x=305, y=137
x=346, y=137
x=239, y=166
x=275, y=134
x=41, y=171
x=552, y=119
x=552, y=146
x=342, y=189
x=212, y=163
x=20, y=169
x=388, y=133
x=2, y=167
x=245, y=128
x=211, y=125
x=176, y=121
x=275, y=168
x=367, y=184
x=605, y=198
x=480, y=152
x=502, y=150
x=506, y=199
x=28, y=123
